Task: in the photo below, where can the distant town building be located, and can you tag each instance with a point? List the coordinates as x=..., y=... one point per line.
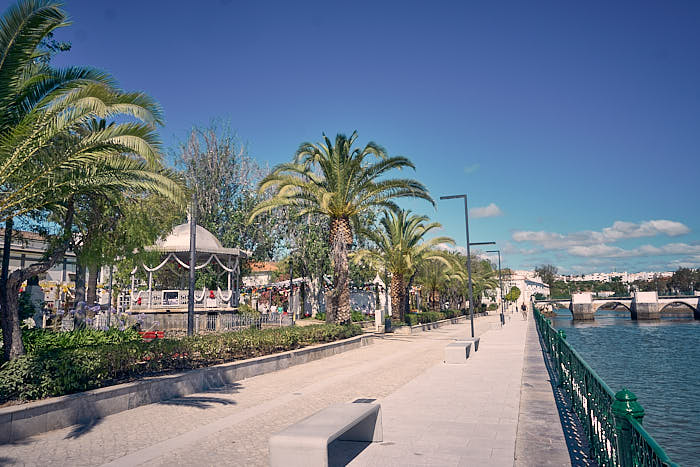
x=260, y=273
x=626, y=277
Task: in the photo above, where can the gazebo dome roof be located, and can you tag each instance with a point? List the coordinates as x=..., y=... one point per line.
x=179, y=241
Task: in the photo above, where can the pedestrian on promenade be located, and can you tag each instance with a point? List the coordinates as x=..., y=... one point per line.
x=523, y=309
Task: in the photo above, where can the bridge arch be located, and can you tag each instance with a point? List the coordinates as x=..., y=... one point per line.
x=693, y=309
x=598, y=305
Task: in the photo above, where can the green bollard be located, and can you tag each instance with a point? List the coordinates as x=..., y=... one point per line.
x=624, y=407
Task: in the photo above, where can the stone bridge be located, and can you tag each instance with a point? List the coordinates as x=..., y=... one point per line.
x=642, y=305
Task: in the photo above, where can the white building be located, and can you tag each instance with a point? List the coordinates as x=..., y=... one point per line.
x=529, y=284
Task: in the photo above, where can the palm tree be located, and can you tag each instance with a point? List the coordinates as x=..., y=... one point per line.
x=435, y=277
x=484, y=277
x=42, y=108
x=400, y=247
x=55, y=143
x=340, y=183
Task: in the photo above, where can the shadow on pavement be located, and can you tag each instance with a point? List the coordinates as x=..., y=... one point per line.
x=200, y=402
x=81, y=428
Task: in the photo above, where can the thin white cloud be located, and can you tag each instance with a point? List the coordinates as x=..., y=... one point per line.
x=620, y=230
x=486, y=211
x=470, y=169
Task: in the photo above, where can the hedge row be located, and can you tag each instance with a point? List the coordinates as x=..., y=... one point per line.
x=59, y=371
x=37, y=340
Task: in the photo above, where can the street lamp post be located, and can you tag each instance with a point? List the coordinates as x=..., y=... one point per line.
x=191, y=271
x=500, y=282
x=469, y=256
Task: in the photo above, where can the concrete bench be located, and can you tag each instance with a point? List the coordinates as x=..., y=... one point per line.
x=305, y=443
x=457, y=352
x=474, y=340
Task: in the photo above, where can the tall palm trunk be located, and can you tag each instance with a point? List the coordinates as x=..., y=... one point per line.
x=407, y=299
x=341, y=237
x=398, y=291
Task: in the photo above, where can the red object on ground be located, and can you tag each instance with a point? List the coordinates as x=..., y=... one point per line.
x=211, y=294
x=150, y=335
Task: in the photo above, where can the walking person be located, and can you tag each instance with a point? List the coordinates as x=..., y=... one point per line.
x=523, y=309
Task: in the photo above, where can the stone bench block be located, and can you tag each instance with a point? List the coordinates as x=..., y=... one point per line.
x=457, y=352
x=305, y=443
x=473, y=340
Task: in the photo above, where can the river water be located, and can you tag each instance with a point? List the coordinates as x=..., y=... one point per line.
x=657, y=360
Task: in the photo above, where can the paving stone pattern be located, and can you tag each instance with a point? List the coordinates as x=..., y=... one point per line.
x=231, y=426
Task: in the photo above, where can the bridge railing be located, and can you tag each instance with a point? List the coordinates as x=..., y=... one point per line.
x=612, y=421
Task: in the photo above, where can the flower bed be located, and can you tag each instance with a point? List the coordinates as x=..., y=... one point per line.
x=55, y=371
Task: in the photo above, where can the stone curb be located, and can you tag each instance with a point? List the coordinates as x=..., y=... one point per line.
x=21, y=421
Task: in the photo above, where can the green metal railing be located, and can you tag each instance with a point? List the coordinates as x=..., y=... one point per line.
x=612, y=421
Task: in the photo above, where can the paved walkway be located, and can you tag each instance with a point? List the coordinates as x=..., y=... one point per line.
x=540, y=439
x=462, y=415
x=433, y=413
x=231, y=426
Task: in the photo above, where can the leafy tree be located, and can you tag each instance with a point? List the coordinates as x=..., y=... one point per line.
x=513, y=294
x=685, y=280
x=50, y=150
x=339, y=183
x=547, y=273
x=400, y=246
x=219, y=170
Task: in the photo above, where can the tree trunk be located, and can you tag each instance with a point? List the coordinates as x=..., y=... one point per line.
x=13, y=347
x=5, y=318
x=92, y=284
x=79, y=283
x=313, y=295
x=341, y=237
x=407, y=299
x=398, y=290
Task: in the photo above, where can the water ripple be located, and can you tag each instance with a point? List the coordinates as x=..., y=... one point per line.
x=658, y=361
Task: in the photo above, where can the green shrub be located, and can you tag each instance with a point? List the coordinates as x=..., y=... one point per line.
x=321, y=315
x=452, y=313
x=53, y=371
x=492, y=307
x=357, y=316
x=244, y=309
x=36, y=340
x=425, y=317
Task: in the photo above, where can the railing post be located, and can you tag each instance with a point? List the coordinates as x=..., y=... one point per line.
x=624, y=407
x=559, y=359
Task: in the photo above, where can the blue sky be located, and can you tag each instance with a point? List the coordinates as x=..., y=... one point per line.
x=567, y=117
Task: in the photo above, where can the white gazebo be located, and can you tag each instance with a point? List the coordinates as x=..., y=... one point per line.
x=176, y=247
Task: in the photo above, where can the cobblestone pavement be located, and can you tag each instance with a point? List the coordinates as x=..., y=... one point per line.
x=231, y=426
